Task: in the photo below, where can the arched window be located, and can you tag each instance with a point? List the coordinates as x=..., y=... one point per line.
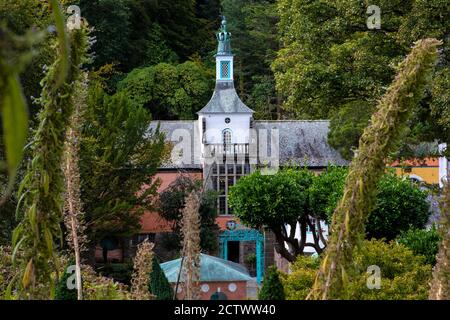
x=226, y=136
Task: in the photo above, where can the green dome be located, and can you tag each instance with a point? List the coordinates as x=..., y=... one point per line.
x=211, y=269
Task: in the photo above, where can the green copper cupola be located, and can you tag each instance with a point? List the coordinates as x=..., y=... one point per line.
x=224, y=38
x=224, y=56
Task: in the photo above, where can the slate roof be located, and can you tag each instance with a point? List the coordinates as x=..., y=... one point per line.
x=173, y=130
x=225, y=100
x=301, y=142
x=211, y=269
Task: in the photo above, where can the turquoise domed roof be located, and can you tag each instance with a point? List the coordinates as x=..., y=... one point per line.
x=211, y=269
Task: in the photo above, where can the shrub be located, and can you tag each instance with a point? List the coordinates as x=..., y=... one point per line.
x=272, y=288
x=399, y=206
x=62, y=292
x=120, y=272
x=422, y=242
x=96, y=287
x=158, y=285
x=404, y=276
x=303, y=271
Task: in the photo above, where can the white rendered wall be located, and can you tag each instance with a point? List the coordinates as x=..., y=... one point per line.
x=309, y=236
x=215, y=124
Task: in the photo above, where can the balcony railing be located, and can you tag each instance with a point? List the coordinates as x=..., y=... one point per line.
x=217, y=149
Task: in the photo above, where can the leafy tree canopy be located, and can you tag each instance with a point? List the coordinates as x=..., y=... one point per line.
x=169, y=91
x=171, y=203
x=422, y=242
x=134, y=33
x=344, y=74
x=117, y=156
x=399, y=205
x=294, y=196
x=404, y=276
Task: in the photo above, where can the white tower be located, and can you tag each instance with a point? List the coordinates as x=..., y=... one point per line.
x=225, y=120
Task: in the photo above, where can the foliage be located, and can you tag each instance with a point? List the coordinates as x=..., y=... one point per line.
x=62, y=292
x=15, y=53
x=158, y=284
x=440, y=284
x=275, y=201
x=135, y=33
x=272, y=288
x=330, y=63
x=399, y=205
x=347, y=125
x=367, y=167
x=326, y=191
x=190, y=229
x=9, y=270
x=252, y=24
x=169, y=91
x=40, y=227
x=404, y=276
x=299, y=282
x=118, y=155
x=171, y=203
x=20, y=17
x=143, y=263
x=96, y=287
x=422, y=242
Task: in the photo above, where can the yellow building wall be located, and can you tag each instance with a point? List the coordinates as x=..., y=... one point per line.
x=429, y=175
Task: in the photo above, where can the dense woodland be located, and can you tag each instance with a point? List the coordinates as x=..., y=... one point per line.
x=145, y=60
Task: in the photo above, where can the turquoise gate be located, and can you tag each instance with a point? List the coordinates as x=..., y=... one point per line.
x=245, y=235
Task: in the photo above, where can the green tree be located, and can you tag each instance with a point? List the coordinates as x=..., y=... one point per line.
x=272, y=288
x=171, y=204
x=158, y=285
x=399, y=203
x=136, y=33
x=262, y=200
x=118, y=155
x=20, y=17
x=274, y=201
x=404, y=276
x=331, y=63
x=254, y=42
x=169, y=91
x=379, y=138
x=422, y=242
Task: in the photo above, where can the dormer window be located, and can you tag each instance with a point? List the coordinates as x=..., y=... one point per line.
x=225, y=70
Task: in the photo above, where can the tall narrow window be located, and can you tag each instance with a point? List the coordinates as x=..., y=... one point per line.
x=225, y=70
x=203, y=130
x=227, y=137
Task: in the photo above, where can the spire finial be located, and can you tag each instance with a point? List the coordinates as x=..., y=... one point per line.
x=224, y=38
x=224, y=24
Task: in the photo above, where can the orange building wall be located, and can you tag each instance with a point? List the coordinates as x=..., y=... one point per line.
x=426, y=169
x=151, y=221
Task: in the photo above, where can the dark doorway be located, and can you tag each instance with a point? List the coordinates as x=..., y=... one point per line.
x=233, y=251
